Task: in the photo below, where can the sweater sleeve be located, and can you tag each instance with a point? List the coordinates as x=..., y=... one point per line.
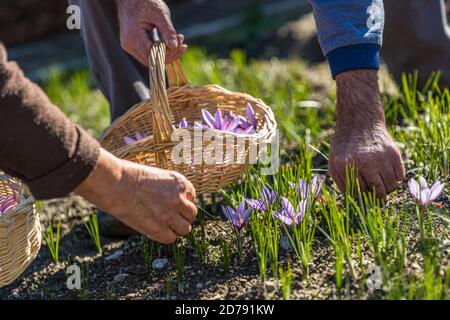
x=350, y=33
x=38, y=144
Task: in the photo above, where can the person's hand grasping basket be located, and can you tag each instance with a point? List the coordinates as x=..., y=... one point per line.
x=154, y=123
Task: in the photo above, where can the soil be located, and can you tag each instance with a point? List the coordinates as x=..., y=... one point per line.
x=127, y=276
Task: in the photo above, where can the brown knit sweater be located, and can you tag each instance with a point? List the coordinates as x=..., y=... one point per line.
x=38, y=144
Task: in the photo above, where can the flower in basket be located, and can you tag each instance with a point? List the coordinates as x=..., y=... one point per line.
x=7, y=203
x=138, y=136
x=230, y=122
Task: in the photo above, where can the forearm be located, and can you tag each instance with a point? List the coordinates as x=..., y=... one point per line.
x=350, y=32
x=358, y=99
x=38, y=143
x=103, y=181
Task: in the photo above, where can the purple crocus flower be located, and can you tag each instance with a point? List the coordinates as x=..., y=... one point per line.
x=138, y=136
x=230, y=122
x=288, y=215
x=7, y=203
x=304, y=189
x=424, y=194
x=268, y=198
x=239, y=216
x=183, y=124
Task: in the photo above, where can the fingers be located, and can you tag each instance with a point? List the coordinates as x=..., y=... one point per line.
x=180, y=226
x=375, y=183
x=174, y=54
x=188, y=210
x=388, y=177
x=167, y=30
x=336, y=176
x=166, y=237
x=399, y=169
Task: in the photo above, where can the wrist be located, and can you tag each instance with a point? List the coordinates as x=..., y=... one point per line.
x=358, y=100
x=106, y=175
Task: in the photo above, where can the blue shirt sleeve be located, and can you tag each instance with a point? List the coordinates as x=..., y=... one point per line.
x=350, y=33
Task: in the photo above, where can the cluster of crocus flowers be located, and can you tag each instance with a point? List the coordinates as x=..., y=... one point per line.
x=237, y=216
x=307, y=192
x=7, y=203
x=288, y=214
x=137, y=136
x=230, y=122
x=424, y=194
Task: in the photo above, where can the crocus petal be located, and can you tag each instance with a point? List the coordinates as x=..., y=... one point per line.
x=425, y=197
x=303, y=189
x=183, y=123
x=250, y=130
x=208, y=118
x=198, y=125
x=287, y=206
x=317, y=183
x=284, y=218
x=423, y=183
x=233, y=125
x=251, y=115
x=244, y=124
x=218, y=119
x=241, y=208
x=246, y=215
x=268, y=196
x=414, y=188
x=139, y=136
x=256, y=204
x=436, y=189
x=129, y=140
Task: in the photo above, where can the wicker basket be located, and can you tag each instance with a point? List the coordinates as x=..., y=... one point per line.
x=156, y=117
x=20, y=232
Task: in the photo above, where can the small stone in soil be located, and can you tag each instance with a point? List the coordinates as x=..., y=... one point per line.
x=284, y=244
x=120, y=277
x=199, y=285
x=115, y=256
x=270, y=286
x=159, y=264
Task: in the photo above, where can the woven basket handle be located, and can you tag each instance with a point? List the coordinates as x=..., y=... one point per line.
x=162, y=116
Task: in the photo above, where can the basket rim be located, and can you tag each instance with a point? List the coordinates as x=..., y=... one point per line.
x=256, y=136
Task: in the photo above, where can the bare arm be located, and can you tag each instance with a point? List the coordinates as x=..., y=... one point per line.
x=361, y=137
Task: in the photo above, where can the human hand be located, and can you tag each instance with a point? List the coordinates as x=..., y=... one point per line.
x=137, y=18
x=157, y=203
x=361, y=138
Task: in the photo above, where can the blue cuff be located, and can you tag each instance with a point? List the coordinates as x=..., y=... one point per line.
x=358, y=56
